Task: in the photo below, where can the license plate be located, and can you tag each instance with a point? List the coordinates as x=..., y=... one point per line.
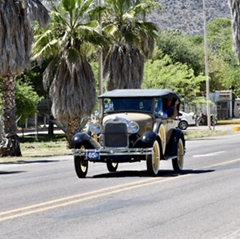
x=92, y=155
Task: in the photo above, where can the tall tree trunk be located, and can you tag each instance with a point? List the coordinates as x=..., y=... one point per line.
x=11, y=144
x=235, y=11
x=72, y=128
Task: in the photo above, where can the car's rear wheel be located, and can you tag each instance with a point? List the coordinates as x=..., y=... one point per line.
x=112, y=167
x=183, y=125
x=178, y=161
x=154, y=159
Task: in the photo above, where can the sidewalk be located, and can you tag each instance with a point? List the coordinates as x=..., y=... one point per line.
x=227, y=122
x=42, y=130
x=227, y=127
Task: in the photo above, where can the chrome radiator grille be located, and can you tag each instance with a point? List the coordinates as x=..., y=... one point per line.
x=115, y=134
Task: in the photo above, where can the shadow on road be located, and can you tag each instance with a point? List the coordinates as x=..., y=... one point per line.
x=144, y=173
x=30, y=161
x=10, y=172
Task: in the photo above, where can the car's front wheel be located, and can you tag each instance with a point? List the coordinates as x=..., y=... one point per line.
x=112, y=167
x=178, y=161
x=81, y=166
x=154, y=159
x=183, y=125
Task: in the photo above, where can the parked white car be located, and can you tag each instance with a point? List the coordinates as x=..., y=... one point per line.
x=186, y=119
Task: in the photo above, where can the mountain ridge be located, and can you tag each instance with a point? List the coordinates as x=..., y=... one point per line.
x=187, y=15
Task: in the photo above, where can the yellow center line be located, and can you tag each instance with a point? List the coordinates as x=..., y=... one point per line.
x=61, y=202
x=85, y=199
x=75, y=196
x=224, y=163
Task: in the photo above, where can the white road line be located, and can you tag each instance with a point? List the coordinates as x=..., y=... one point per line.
x=208, y=155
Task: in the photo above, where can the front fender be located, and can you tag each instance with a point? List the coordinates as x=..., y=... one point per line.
x=172, y=146
x=83, y=139
x=146, y=140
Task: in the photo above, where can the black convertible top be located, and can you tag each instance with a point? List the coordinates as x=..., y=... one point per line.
x=139, y=93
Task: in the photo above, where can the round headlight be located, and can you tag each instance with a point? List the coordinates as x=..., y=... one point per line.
x=133, y=127
x=95, y=128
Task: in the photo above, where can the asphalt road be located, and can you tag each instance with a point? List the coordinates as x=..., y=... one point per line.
x=45, y=199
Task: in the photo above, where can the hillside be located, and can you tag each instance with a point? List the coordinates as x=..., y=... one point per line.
x=187, y=15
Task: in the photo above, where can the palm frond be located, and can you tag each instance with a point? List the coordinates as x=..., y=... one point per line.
x=145, y=7
x=123, y=67
x=90, y=33
x=45, y=45
x=111, y=30
x=15, y=39
x=68, y=5
x=49, y=73
x=75, y=88
x=72, y=55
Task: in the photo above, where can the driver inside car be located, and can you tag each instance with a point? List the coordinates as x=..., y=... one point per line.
x=170, y=107
x=166, y=107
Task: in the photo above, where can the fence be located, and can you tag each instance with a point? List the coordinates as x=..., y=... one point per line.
x=224, y=109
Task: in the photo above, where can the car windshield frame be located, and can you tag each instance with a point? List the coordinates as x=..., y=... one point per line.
x=128, y=104
x=152, y=94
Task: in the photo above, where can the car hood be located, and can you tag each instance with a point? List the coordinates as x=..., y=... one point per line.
x=144, y=121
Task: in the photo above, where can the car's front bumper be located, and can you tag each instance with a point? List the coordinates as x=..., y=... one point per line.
x=113, y=154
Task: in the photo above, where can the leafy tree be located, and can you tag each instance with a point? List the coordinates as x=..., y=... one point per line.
x=26, y=100
x=15, y=40
x=132, y=39
x=220, y=39
x=230, y=77
x=163, y=73
x=223, y=66
x=69, y=76
x=185, y=49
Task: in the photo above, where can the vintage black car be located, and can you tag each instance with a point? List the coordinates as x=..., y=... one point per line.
x=132, y=127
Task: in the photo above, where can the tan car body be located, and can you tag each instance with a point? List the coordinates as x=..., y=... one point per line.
x=130, y=129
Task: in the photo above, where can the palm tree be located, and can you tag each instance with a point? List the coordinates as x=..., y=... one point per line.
x=235, y=10
x=69, y=76
x=15, y=45
x=132, y=41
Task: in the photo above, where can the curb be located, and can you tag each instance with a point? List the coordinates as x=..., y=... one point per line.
x=236, y=128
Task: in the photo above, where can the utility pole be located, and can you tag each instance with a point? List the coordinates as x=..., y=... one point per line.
x=206, y=64
x=100, y=57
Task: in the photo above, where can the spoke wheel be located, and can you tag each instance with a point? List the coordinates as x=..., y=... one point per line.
x=178, y=161
x=112, y=167
x=81, y=166
x=154, y=159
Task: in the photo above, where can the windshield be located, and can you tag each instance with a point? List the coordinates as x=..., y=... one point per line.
x=128, y=104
